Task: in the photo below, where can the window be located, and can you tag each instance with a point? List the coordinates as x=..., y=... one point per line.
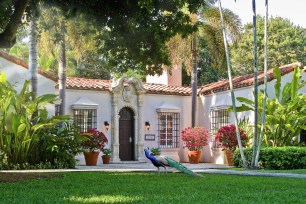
x=85, y=118
x=218, y=117
x=168, y=129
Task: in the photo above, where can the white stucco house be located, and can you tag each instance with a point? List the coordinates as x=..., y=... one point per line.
x=145, y=114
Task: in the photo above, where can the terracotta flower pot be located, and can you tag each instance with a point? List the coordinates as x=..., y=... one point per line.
x=91, y=158
x=105, y=159
x=229, y=156
x=194, y=157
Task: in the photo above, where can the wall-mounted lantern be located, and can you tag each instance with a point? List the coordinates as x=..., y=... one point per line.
x=147, y=124
x=106, y=125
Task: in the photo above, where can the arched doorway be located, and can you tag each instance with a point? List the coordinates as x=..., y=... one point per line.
x=126, y=134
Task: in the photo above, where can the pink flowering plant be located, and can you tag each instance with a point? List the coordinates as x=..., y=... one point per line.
x=195, y=138
x=94, y=140
x=227, y=137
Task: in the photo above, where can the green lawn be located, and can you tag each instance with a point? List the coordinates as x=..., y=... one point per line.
x=110, y=187
x=291, y=171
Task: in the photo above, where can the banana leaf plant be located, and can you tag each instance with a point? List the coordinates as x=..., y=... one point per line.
x=285, y=114
x=21, y=118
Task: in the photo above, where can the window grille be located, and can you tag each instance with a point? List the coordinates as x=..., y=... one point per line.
x=168, y=130
x=85, y=119
x=218, y=118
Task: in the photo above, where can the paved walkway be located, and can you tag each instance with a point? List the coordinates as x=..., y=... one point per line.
x=148, y=167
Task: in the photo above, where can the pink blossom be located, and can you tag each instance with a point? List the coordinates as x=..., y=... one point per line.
x=195, y=138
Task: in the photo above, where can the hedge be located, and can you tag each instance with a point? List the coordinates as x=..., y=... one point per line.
x=275, y=157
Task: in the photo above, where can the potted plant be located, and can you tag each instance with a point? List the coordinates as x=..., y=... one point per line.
x=155, y=151
x=227, y=138
x=194, y=139
x=106, y=156
x=94, y=141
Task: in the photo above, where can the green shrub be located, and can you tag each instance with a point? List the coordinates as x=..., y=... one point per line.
x=58, y=146
x=276, y=158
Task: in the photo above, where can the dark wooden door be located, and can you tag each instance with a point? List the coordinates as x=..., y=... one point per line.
x=126, y=134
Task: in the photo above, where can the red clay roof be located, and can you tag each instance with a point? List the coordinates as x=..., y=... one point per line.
x=104, y=85
x=83, y=83
x=246, y=80
x=153, y=88
x=25, y=65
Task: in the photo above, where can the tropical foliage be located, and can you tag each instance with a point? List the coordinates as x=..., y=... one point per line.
x=28, y=137
x=285, y=114
x=22, y=119
x=195, y=138
x=58, y=146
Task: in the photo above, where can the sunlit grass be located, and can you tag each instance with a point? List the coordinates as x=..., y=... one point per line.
x=104, y=199
x=116, y=187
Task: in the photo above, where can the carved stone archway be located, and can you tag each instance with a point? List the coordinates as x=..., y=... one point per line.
x=127, y=92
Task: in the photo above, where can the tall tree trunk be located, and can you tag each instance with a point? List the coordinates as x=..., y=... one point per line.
x=194, y=80
x=62, y=70
x=33, y=57
x=263, y=121
x=245, y=164
x=255, y=144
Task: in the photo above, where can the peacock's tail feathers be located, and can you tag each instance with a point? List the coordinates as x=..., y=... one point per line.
x=181, y=167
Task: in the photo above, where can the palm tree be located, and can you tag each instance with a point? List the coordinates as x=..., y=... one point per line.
x=33, y=55
x=210, y=30
x=194, y=79
x=255, y=143
x=231, y=86
x=62, y=69
x=263, y=120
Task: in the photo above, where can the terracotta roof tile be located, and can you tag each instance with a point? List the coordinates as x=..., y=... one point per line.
x=25, y=65
x=246, y=80
x=83, y=83
x=104, y=85
x=153, y=88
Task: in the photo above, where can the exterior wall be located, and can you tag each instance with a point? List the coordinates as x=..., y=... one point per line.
x=224, y=99
x=103, y=99
x=153, y=102
x=150, y=105
x=17, y=74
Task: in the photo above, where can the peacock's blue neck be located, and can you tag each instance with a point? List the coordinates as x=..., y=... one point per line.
x=147, y=154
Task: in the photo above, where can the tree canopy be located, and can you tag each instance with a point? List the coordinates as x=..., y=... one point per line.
x=286, y=44
x=134, y=32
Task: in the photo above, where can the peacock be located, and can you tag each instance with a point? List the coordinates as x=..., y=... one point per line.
x=162, y=161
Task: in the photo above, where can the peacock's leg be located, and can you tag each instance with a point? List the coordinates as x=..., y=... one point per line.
x=165, y=169
x=158, y=171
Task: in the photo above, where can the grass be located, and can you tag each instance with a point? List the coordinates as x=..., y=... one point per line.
x=291, y=171
x=112, y=187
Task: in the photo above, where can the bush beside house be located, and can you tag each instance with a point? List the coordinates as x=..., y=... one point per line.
x=276, y=158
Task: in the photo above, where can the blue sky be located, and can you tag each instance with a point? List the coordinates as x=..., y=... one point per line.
x=294, y=10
